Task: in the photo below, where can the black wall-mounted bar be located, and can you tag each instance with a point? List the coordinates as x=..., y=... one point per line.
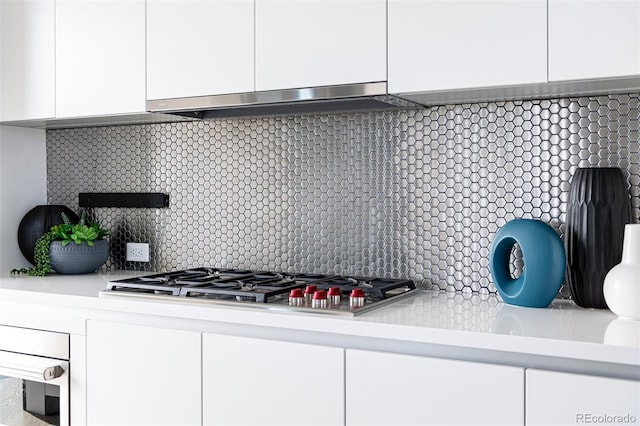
x=123, y=199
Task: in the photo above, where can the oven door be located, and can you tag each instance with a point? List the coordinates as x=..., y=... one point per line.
x=33, y=390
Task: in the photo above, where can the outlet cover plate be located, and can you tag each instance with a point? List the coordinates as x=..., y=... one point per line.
x=137, y=252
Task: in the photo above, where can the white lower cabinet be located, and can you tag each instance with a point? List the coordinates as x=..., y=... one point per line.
x=393, y=389
x=568, y=399
x=138, y=375
x=141, y=375
x=250, y=381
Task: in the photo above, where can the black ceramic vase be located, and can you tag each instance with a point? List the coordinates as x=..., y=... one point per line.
x=599, y=207
x=36, y=222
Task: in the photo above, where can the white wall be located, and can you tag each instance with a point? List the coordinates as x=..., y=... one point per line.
x=23, y=185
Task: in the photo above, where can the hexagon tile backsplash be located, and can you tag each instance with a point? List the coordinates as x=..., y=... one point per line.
x=415, y=194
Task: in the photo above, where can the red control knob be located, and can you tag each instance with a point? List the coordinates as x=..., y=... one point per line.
x=335, y=291
x=356, y=298
x=320, y=295
x=296, y=292
x=357, y=292
x=296, y=297
x=335, y=296
x=308, y=292
x=319, y=299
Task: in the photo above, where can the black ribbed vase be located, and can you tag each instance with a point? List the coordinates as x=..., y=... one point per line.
x=599, y=207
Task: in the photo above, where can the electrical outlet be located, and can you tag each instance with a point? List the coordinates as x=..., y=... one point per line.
x=137, y=252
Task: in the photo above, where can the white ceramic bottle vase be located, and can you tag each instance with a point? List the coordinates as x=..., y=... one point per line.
x=622, y=283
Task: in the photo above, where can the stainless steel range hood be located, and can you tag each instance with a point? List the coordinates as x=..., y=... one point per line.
x=311, y=100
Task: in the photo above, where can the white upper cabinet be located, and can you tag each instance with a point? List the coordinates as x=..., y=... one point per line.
x=100, y=48
x=27, y=59
x=307, y=43
x=197, y=48
x=457, y=44
x=593, y=39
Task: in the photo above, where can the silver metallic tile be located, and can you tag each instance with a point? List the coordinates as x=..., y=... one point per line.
x=416, y=194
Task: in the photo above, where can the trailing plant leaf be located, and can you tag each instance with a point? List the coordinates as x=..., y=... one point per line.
x=41, y=255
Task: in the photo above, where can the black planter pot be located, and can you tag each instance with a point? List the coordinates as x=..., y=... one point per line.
x=598, y=209
x=36, y=222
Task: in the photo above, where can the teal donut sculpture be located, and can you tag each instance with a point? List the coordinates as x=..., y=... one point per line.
x=544, y=260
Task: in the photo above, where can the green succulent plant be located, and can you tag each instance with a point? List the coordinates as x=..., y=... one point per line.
x=66, y=232
x=79, y=232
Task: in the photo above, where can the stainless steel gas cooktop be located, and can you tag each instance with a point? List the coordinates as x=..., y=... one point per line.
x=324, y=294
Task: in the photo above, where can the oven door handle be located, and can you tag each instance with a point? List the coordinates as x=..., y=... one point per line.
x=29, y=367
x=29, y=372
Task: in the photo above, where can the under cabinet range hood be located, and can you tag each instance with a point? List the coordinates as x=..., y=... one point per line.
x=359, y=97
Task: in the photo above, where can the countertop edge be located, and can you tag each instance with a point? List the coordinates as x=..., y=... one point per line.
x=78, y=300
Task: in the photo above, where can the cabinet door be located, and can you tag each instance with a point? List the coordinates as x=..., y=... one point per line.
x=27, y=59
x=457, y=44
x=392, y=389
x=306, y=43
x=100, y=48
x=140, y=375
x=593, y=39
x=199, y=47
x=249, y=381
x=569, y=399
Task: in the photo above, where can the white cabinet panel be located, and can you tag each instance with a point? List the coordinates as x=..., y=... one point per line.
x=100, y=48
x=593, y=39
x=27, y=59
x=306, y=43
x=23, y=185
x=78, y=380
x=456, y=44
x=142, y=375
x=202, y=47
x=392, y=389
x=569, y=399
x=249, y=381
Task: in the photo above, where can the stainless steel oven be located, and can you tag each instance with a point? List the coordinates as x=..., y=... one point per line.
x=34, y=377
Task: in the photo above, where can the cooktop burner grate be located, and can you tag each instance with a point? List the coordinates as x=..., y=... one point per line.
x=263, y=288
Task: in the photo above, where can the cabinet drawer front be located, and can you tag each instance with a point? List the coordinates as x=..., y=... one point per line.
x=139, y=375
x=249, y=381
x=569, y=399
x=386, y=388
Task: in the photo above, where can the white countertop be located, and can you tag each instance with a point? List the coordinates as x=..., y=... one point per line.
x=471, y=321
